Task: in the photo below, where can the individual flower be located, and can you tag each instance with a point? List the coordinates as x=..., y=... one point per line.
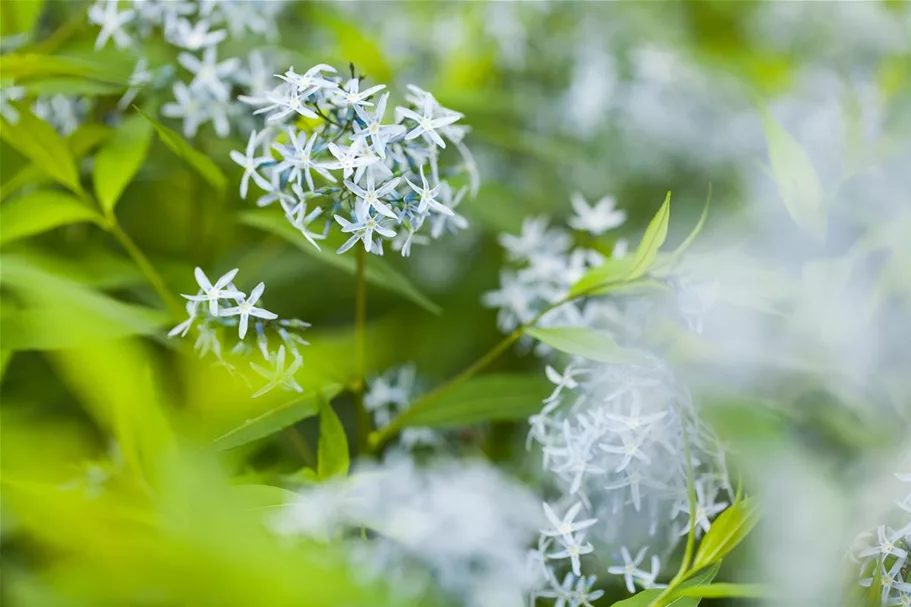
x=214, y=293
x=362, y=228
x=372, y=196
x=246, y=308
x=250, y=163
x=351, y=95
x=373, y=129
x=298, y=159
x=187, y=105
x=279, y=375
x=427, y=125
x=209, y=76
x=630, y=568
x=596, y=219
x=106, y=13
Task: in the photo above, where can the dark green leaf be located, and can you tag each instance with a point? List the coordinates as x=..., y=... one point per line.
x=584, y=342
x=19, y=17
x=726, y=532
x=199, y=161
x=41, y=211
x=332, y=452
x=39, y=142
x=272, y=421
x=654, y=237
x=119, y=160
x=484, y=398
x=378, y=272
x=796, y=178
x=645, y=598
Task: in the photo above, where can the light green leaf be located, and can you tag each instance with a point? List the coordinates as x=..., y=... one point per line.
x=715, y=591
x=610, y=272
x=23, y=67
x=277, y=419
x=797, y=180
x=378, y=271
x=39, y=142
x=61, y=313
x=332, y=452
x=674, y=257
x=72, y=85
x=262, y=497
x=19, y=17
x=41, y=211
x=80, y=142
x=119, y=160
x=726, y=532
x=645, y=598
x=491, y=397
x=199, y=161
x=584, y=342
x=654, y=237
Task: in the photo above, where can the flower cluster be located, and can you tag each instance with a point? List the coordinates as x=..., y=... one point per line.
x=614, y=439
x=196, y=28
x=545, y=264
x=326, y=138
x=390, y=394
x=221, y=305
x=459, y=528
x=886, y=552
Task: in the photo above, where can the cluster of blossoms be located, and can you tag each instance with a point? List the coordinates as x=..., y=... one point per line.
x=221, y=305
x=613, y=440
x=888, y=556
x=63, y=112
x=390, y=394
x=196, y=28
x=455, y=527
x=545, y=264
x=325, y=138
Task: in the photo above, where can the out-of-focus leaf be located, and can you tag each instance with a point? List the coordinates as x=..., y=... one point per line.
x=581, y=341
x=115, y=382
x=64, y=85
x=655, y=234
x=119, y=160
x=199, y=161
x=304, y=406
x=675, y=256
x=63, y=313
x=6, y=355
x=355, y=44
x=80, y=142
x=93, y=266
x=645, y=598
x=377, y=272
x=797, y=180
x=39, y=142
x=41, y=211
x=715, y=591
x=332, y=451
x=23, y=67
x=19, y=17
x=611, y=271
x=491, y=397
x=262, y=497
x=726, y=532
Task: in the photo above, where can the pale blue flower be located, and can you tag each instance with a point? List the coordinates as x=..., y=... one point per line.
x=250, y=163
x=213, y=293
x=279, y=376
x=245, y=308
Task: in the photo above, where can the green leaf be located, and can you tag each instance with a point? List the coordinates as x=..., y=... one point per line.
x=654, y=237
x=332, y=452
x=119, y=160
x=80, y=142
x=23, y=67
x=645, y=598
x=493, y=397
x=873, y=595
x=61, y=313
x=611, y=271
x=199, y=161
x=726, y=532
x=584, y=342
x=41, y=211
x=714, y=591
x=378, y=272
x=72, y=85
x=674, y=257
x=797, y=180
x=277, y=419
x=262, y=497
x=39, y=142
x=19, y=17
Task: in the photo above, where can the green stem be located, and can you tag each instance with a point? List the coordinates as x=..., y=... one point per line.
x=146, y=267
x=360, y=349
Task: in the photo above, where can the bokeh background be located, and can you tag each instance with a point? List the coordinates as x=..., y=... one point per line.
x=622, y=98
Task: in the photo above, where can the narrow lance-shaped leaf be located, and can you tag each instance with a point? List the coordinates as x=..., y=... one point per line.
x=726, y=532
x=581, y=341
x=274, y=420
x=41, y=211
x=654, y=237
x=715, y=591
x=332, y=452
x=674, y=257
x=199, y=161
x=39, y=142
x=796, y=178
x=646, y=597
x=493, y=397
x=119, y=160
